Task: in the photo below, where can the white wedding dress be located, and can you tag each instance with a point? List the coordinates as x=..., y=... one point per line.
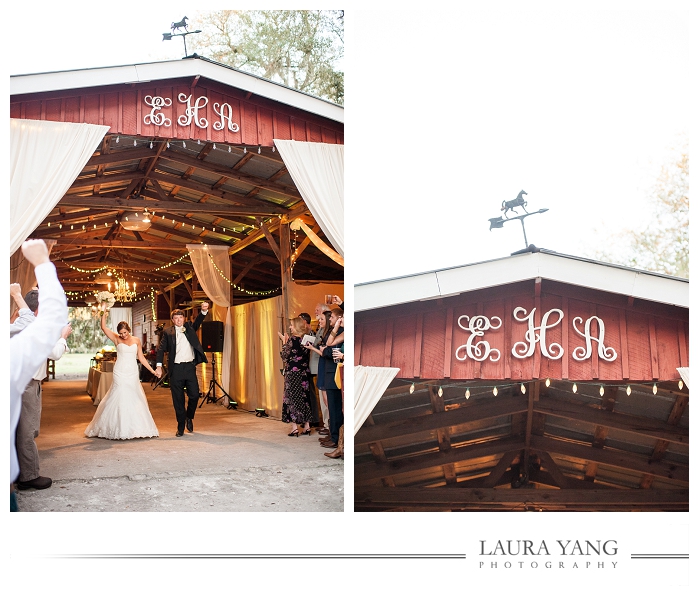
x=123, y=413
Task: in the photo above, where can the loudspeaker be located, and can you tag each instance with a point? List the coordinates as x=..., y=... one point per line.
x=212, y=336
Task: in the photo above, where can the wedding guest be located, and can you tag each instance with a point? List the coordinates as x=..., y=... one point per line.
x=296, y=403
x=333, y=393
x=30, y=347
x=30, y=415
x=320, y=341
x=313, y=366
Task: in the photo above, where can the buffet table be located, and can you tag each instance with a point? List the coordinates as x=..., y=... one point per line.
x=98, y=384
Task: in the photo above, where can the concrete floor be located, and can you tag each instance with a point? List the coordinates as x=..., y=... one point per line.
x=233, y=462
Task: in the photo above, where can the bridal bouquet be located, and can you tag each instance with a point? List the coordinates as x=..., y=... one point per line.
x=105, y=301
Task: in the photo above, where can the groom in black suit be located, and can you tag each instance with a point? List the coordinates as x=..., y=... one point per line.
x=185, y=353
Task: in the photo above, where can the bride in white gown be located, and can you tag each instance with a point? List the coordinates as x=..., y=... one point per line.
x=123, y=413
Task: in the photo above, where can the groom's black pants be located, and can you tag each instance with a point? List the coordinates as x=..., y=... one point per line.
x=184, y=376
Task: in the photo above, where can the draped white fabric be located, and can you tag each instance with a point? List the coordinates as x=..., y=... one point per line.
x=45, y=159
x=369, y=385
x=684, y=374
x=211, y=263
x=119, y=314
x=258, y=382
x=318, y=171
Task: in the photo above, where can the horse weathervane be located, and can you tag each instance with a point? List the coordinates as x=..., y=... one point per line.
x=178, y=26
x=512, y=206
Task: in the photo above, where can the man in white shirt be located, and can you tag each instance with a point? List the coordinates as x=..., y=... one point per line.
x=30, y=416
x=185, y=353
x=31, y=347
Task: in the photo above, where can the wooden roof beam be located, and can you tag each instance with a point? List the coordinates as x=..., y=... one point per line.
x=456, y=497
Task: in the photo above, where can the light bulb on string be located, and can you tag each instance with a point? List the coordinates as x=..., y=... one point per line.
x=259, y=149
x=495, y=390
x=117, y=140
x=467, y=394
x=601, y=390
x=440, y=392
x=523, y=389
x=245, y=149
x=412, y=388
x=680, y=385
x=628, y=390
x=214, y=145
x=184, y=144
x=548, y=382
x=229, y=149
x=575, y=388
x=134, y=143
x=655, y=388
x=151, y=144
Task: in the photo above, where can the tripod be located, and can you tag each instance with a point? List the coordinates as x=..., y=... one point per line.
x=213, y=384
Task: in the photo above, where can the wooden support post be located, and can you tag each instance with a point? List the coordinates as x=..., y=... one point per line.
x=285, y=260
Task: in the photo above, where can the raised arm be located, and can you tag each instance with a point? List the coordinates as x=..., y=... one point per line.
x=107, y=332
x=202, y=314
x=16, y=294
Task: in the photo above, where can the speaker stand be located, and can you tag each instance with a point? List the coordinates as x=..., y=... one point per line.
x=210, y=396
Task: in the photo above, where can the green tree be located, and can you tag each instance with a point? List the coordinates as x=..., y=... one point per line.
x=299, y=48
x=87, y=336
x=663, y=245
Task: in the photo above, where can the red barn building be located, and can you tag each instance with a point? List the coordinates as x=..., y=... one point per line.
x=538, y=381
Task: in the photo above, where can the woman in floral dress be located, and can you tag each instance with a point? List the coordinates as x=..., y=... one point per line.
x=296, y=405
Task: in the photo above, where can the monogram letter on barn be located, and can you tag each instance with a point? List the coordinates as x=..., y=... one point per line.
x=532, y=337
x=157, y=103
x=479, y=351
x=580, y=353
x=193, y=111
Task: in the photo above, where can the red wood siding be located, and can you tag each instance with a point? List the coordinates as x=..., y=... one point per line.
x=651, y=340
x=123, y=109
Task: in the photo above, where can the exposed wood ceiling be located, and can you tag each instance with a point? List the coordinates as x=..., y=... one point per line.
x=200, y=193
x=547, y=449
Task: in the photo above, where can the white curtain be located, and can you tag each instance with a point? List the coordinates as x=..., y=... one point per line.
x=45, y=159
x=119, y=314
x=318, y=171
x=212, y=265
x=369, y=385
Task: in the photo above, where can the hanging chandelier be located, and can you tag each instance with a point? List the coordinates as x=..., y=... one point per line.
x=122, y=292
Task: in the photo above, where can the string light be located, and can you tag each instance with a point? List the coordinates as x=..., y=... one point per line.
x=523, y=389
x=601, y=390
x=249, y=292
x=152, y=303
x=680, y=384
x=575, y=388
x=440, y=392
x=655, y=388
x=628, y=390
x=495, y=390
x=467, y=394
x=548, y=382
x=412, y=388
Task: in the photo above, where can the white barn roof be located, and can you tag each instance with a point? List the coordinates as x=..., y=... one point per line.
x=188, y=67
x=539, y=263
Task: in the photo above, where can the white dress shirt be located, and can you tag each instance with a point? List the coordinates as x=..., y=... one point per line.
x=31, y=347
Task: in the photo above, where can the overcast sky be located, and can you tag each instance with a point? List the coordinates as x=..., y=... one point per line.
x=577, y=108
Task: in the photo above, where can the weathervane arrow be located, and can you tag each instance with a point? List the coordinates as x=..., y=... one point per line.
x=519, y=201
